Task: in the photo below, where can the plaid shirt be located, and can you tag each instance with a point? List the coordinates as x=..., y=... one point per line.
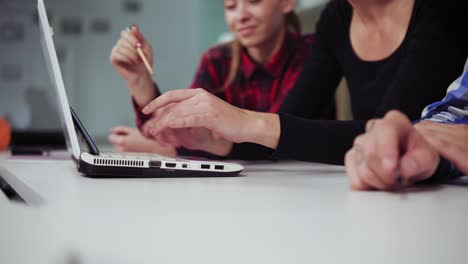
x=256, y=87
x=453, y=109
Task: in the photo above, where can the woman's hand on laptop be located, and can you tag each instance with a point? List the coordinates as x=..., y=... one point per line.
x=127, y=139
x=125, y=59
x=198, y=138
x=191, y=138
x=197, y=108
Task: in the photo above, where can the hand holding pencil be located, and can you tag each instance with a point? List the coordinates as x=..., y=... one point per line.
x=132, y=55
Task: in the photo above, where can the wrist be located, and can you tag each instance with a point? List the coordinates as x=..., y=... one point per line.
x=221, y=148
x=142, y=89
x=262, y=128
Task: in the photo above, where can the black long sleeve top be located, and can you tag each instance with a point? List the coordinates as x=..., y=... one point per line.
x=416, y=74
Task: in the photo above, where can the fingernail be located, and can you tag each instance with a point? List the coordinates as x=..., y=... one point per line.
x=399, y=180
x=145, y=110
x=388, y=163
x=139, y=45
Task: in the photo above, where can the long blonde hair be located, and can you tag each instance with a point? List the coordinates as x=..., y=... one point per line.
x=293, y=24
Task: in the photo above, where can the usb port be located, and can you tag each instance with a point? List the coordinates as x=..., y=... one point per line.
x=205, y=166
x=170, y=165
x=219, y=167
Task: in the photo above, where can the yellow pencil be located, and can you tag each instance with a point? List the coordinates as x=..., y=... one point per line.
x=145, y=60
x=142, y=55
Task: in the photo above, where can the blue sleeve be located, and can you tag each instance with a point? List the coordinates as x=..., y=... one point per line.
x=453, y=109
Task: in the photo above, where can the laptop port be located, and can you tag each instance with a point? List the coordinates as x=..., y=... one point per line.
x=170, y=165
x=219, y=167
x=184, y=166
x=205, y=166
x=155, y=164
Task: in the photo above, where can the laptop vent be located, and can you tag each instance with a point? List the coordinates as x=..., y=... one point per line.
x=115, y=162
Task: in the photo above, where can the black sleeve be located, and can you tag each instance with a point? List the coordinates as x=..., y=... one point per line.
x=316, y=84
x=324, y=141
x=312, y=93
x=301, y=137
x=445, y=172
x=432, y=60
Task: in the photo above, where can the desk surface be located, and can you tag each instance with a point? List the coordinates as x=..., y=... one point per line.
x=288, y=212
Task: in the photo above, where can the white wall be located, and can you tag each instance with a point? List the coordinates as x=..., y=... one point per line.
x=96, y=91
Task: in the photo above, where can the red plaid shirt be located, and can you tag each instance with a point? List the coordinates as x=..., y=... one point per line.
x=256, y=87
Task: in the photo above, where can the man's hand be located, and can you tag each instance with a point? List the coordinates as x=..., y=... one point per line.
x=391, y=154
x=451, y=141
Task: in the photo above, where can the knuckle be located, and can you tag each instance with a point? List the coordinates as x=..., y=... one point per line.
x=349, y=158
x=359, y=140
x=197, y=119
x=198, y=91
x=357, y=185
x=393, y=113
x=366, y=176
x=370, y=154
x=169, y=95
x=380, y=124
x=209, y=116
x=384, y=128
x=370, y=124
x=203, y=95
x=204, y=105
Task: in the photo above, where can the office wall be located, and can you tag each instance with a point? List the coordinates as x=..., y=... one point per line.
x=96, y=91
x=212, y=22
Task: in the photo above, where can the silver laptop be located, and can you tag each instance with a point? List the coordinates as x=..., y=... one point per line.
x=95, y=164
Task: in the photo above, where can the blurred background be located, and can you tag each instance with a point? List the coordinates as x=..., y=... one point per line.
x=85, y=31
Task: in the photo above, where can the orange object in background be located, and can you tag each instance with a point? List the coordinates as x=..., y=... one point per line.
x=5, y=134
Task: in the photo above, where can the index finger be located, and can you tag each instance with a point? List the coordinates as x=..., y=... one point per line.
x=383, y=149
x=167, y=98
x=121, y=130
x=137, y=33
x=129, y=37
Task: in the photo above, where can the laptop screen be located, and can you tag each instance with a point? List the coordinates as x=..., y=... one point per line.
x=57, y=80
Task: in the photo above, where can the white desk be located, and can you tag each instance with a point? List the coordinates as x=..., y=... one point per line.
x=278, y=213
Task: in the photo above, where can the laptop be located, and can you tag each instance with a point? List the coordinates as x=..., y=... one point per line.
x=93, y=163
